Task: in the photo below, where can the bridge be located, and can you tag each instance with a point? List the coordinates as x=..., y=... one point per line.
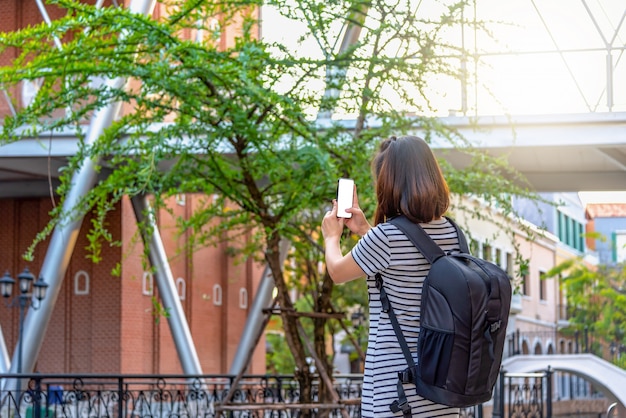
x=609, y=379
x=555, y=153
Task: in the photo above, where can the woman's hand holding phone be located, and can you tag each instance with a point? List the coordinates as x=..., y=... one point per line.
x=348, y=207
x=357, y=223
x=345, y=211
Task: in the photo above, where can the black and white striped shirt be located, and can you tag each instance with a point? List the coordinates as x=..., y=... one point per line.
x=386, y=250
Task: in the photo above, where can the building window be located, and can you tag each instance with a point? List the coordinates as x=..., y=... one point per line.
x=498, y=259
x=570, y=232
x=147, y=283
x=525, y=287
x=215, y=30
x=474, y=248
x=510, y=265
x=181, y=287
x=81, y=283
x=243, y=298
x=581, y=237
x=619, y=246
x=487, y=252
x=217, y=295
x=543, y=286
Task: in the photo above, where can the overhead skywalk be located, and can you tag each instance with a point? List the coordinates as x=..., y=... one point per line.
x=555, y=153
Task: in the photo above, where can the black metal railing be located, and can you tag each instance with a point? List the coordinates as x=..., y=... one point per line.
x=583, y=341
x=172, y=396
x=575, y=342
x=165, y=396
x=523, y=395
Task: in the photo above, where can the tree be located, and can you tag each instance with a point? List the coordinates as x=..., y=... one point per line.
x=596, y=303
x=239, y=122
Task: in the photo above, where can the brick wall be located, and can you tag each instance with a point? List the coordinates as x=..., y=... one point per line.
x=110, y=327
x=15, y=14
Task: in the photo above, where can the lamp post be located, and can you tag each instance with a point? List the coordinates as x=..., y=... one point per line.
x=25, y=281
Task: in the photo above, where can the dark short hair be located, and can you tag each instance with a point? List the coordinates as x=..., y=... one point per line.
x=408, y=181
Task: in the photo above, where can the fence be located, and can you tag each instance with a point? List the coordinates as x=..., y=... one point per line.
x=171, y=396
x=165, y=396
x=523, y=395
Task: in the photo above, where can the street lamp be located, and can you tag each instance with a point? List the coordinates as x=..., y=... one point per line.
x=25, y=281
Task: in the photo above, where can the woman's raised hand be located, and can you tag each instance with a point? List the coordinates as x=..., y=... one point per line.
x=358, y=222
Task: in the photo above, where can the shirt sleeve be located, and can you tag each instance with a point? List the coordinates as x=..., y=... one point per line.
x=372, y=253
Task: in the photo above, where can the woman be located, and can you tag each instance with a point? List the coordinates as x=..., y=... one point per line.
x=408, y=182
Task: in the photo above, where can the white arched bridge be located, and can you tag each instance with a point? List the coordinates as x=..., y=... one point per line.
x=606, y=377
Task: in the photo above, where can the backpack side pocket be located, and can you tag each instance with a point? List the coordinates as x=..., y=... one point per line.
x=435, y=344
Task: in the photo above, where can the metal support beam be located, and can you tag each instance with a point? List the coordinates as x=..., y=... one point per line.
x=46, y=18
x=5, y=362
x=353, y=26
x=254, y=323
x=65, y=233
x=167, y=287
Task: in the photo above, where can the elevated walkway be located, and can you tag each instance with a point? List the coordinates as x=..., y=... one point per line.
x=606, y=377
x=556, y=153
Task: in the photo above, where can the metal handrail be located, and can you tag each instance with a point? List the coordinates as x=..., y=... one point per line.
x=65, y=395
x=609, y=411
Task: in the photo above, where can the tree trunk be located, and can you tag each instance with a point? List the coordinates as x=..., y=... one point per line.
x=302, y=373
x=323, y=304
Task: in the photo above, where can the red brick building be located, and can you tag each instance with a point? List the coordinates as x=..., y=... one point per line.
x=107, y=324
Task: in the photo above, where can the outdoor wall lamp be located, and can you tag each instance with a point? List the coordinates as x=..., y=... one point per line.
x=25, y=282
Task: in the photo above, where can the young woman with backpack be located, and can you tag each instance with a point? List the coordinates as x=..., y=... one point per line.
x=408, y=182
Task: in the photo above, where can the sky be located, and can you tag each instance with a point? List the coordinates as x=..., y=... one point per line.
x=602, y=197
x=541, y=56
x=557, y=55
x=545, y=57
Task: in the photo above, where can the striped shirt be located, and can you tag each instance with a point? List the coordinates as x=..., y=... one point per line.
x=386, y=250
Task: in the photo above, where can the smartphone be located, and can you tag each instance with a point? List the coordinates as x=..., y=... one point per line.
x=345, y=193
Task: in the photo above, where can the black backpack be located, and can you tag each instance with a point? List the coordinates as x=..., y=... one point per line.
x=464, y=314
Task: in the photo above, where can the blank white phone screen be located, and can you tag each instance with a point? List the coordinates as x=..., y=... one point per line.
x=345, y=191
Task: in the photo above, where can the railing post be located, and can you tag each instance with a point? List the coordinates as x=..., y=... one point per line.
x=549, y=392
x=232, y=381
x=37, y=398
x=498, y=398
x=120, y=397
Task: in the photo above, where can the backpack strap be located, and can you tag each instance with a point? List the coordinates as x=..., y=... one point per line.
x=429, y=248
x=419, y=237
x=401, y=404
x=462, y=240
